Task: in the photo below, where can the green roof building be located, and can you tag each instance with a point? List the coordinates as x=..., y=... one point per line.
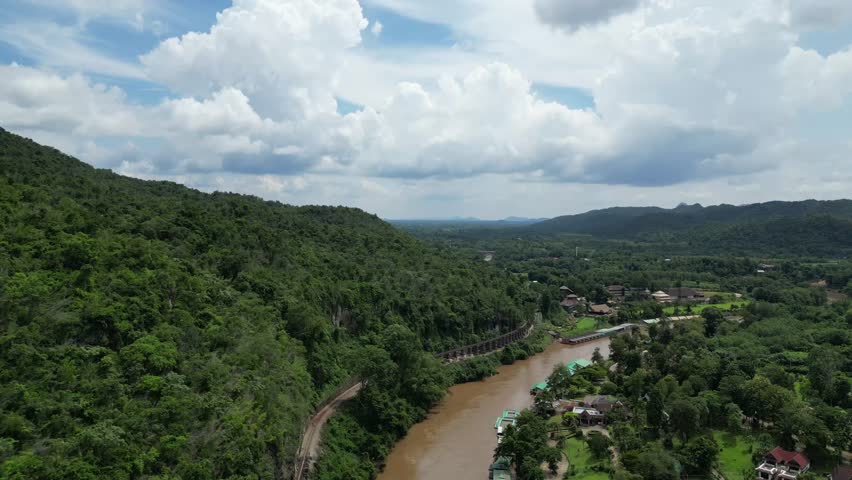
x=539, y=387
x=577, y=364
x=572, y=369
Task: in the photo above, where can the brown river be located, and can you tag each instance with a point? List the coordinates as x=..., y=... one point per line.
x=457, y=440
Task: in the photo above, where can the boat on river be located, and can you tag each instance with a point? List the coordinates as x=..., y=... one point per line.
x=509, y=417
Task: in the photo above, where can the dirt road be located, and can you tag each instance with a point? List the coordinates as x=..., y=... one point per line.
x=309, y=448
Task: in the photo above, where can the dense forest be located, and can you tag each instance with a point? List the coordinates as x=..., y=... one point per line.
x=148, y=330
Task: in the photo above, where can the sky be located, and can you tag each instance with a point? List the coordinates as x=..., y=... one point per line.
x=444, y=108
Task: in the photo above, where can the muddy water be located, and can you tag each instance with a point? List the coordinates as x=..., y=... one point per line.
x=457, y=440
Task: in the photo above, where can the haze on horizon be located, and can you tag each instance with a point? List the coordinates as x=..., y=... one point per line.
x=466, y=108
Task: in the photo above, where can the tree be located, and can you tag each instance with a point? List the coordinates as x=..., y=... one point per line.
x=559, y=380
x=553, y=456
x=684, y=418
x=597, y=358
x=798, y=424
x=598, y=445
x=712, y=318
x=778, y=375
x=763, y=400
x=526, y=444
x=655, y=409
x=625, y=475
x=651, y=463
x=699, y=454
x=822, y=363
x=570, y=419
x=733, y=418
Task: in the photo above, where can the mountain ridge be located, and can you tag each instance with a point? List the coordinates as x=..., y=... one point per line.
x=817, y=227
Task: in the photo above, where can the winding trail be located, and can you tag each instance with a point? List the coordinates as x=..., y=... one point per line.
x=309, y=448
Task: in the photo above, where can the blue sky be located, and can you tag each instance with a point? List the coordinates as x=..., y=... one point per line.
x=444, y=108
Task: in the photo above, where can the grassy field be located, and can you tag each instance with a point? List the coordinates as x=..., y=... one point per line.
x=583, y=325
x=581, y=460
x=735, y=457
x=696, y=309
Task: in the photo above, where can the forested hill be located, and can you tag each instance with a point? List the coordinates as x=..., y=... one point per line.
x=150, y=330
x=811, y=226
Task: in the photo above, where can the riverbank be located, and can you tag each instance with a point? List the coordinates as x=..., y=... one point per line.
x=356, y=441
x=484, y=366
x=457, y=439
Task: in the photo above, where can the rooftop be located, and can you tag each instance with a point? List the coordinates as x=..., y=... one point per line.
x=684, y=292
x=577, y=364
x=600, y=309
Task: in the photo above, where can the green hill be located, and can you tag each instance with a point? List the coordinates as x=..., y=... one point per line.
x=148, y=330
x=810, y=227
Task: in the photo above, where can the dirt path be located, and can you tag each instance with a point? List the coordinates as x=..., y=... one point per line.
x=561, y=470
x=309, y=449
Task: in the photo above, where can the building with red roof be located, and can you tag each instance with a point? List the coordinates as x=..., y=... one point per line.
x=780, y=464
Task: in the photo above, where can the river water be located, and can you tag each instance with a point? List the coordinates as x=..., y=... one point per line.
x=457, y=440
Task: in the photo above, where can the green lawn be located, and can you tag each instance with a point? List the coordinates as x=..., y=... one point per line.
x=696, y=309
x=581, y=459
x=735, y=457
x=583, y=325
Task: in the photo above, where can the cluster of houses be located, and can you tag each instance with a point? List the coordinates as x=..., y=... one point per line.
x=572, y=303
x=620, y=293
x=591, y=410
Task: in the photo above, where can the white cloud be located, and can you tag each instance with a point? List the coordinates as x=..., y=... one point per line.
x=60, y=46
x=575, y=14
x=377, y=28
x=688, y=95
x=36, y=100
x=283, y=55
x=227, y=110
x=817, y=82
x=461, y=129
x=131, y=12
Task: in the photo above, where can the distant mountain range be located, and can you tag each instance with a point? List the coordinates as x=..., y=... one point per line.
x=468, y=220
x=804, y=227
x=634, y=221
